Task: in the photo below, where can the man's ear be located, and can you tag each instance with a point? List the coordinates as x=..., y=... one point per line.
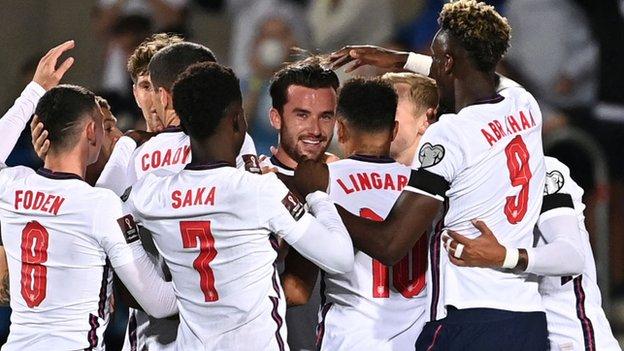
x=395, y=130
x=449, y=63
x=341, y=131
x=165, y=98
x=91, y=138
x=275, y=118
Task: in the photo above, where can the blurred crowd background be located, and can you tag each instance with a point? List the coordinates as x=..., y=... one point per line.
x=566, y=52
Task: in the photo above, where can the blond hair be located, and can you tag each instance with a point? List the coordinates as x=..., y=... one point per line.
x=423, y=92
x=140, y=58
x=480, y=30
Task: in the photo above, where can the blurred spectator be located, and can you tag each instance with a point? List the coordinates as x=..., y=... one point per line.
x=270, y=49
x=553, y=52
x=607, y=23
x=123, y=24
x=336, y=23
x=246, y=16
x=166, y=15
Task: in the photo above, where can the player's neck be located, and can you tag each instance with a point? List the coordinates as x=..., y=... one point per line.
x=476, y=86
x=406, y=156
x=171, y=119
x=204, y=151
x=67, y=162
x=285, y=158
x=368, y=145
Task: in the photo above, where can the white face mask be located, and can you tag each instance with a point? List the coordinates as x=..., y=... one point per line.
x=271, y=52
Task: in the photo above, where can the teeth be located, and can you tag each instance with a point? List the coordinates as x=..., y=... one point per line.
x=311, y=142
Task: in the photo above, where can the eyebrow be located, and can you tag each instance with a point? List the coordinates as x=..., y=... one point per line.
x=298, y=109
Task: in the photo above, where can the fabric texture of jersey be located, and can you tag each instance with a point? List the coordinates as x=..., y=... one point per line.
x=169, y=150
x=58, y=232
x=373, y=307
x=490, y=155
x=576, y=320
x=236, y=302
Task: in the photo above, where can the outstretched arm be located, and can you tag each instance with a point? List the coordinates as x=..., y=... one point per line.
x=388, y=241
x=46, y=77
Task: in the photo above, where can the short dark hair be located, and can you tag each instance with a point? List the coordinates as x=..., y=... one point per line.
x=60, y=109
x=168, y=63
x=368, y=104
x=309, y=73
x=203, y=95
x=480, y=30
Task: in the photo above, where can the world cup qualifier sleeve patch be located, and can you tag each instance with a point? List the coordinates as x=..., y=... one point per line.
x=293, y=205
x=252, y=165
x=554, y=182
x=430, y=155
x=129, y=228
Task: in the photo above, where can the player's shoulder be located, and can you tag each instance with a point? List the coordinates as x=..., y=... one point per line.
x=7, y=172
x=105, y=196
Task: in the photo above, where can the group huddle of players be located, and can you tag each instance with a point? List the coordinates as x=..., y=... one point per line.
x=449, y=233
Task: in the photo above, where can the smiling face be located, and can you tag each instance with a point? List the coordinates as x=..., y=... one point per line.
x=142, y=91
x=306, y=123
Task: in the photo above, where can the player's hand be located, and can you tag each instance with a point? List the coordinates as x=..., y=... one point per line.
x=311, y=176
x=47, y=75
x=362, y=55
x=139, y=136
x=266, y=169
x=482, y=251
x=39, y=138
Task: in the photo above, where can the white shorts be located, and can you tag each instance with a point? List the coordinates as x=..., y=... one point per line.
x=346, y=328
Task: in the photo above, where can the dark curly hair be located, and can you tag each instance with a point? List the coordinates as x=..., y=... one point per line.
x=368, y=104
x=61, y=109
x=309, y=72
x=482, y=31
x=202, y=96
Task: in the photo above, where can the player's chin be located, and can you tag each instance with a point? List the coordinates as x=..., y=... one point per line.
x=312, y=151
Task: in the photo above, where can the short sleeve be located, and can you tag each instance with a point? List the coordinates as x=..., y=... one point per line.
x=559, y=189
x=280, y=211
x=115, y=231
x=247, y=159
x=437, y=162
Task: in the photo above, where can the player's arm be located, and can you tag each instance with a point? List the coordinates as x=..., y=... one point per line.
x=47, y=76
x=117, y=174
x=393, y=60
x=319, y=235
x=298, y=278
x=388, y=241
x=119, y=236
x=561, y=256
x=5, y=296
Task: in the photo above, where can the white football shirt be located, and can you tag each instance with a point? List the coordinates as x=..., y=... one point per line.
x=576, y=320
x=58, y=232
x=169, y=150
x=487, y=163
x=373, y=306
x=212, y=224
